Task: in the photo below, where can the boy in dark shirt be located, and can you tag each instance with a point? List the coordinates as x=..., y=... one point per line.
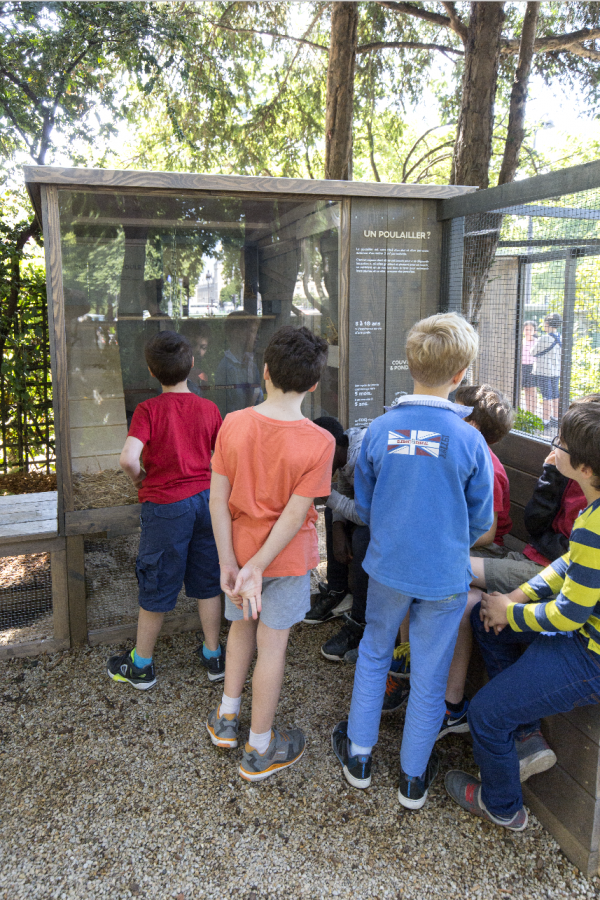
x=174, y=434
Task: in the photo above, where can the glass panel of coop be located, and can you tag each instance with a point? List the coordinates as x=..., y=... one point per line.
x=225, y=271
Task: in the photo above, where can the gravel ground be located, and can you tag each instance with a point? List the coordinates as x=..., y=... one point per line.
x=110, y=792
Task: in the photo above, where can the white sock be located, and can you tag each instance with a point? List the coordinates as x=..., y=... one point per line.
x=230, y=706
x=260, y=742
x=357, y=750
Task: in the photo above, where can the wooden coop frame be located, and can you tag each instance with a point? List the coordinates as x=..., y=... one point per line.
x=371, y=365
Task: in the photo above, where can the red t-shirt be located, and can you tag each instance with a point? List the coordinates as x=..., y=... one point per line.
x=572, y=502
x=501, y=499
x=266, y=461
x=178, y=432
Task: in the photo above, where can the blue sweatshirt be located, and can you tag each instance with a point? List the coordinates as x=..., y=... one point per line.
x=424, y=484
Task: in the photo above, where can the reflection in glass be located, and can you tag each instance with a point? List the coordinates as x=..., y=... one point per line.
x=225, y=271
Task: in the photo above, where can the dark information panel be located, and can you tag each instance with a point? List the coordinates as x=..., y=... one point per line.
x=395, y=259
x=413, y=282
x=366, y=345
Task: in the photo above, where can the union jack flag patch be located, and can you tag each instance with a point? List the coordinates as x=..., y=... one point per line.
x=417, y=443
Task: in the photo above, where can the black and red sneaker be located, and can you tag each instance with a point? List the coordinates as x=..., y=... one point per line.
x=466, y=791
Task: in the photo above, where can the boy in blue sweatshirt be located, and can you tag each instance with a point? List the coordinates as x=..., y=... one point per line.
x=424, y=485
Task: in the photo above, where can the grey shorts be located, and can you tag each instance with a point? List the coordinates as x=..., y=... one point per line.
x=285, y=601
x=508, y=572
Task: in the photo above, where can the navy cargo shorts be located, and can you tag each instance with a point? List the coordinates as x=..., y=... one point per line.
x=177, y=547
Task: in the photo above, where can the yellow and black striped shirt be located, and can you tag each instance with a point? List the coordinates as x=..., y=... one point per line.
x=575, y=579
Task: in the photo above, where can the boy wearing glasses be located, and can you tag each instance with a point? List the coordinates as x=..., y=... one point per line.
x=560, y=668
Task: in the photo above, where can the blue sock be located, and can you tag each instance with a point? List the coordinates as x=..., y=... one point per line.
x=210, y=654
x=139, y=661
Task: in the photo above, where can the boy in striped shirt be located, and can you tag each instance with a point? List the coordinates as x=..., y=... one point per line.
x=558, y=614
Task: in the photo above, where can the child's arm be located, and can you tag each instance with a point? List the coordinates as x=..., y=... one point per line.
x=220, y=514
x=488, y=537
x=479, y=494
x=130, y=460
x=364, y=482
x=249, y=581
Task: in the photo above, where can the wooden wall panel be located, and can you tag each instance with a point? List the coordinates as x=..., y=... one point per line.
x=367, y=311
x=577, y=753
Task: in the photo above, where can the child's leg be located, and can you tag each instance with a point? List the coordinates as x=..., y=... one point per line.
x=268, y=675
x=210, y=619
x=433, y=629
x=455, y=689
x=555, y=674
x=478, y=567
x=241, y=644
x=386, y=608
x=149, y=625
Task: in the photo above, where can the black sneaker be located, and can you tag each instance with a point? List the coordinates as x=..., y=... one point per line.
x=121, y=668
x=412, y=792
x=396, y=694
x=331, y=606
x=347, y=639
x=357, y=769
x=454, y=723
x=215, y=665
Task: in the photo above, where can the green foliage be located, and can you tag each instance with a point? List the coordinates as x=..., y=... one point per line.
x=27, y=435
x=528, y=422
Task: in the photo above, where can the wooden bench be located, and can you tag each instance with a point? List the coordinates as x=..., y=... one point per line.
x=566, y=799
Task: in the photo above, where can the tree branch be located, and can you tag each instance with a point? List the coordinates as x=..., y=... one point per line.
x=457, y=24
x=518, y=96
x=411, y=9
x=274, y=34
x=399, y=45
x=424, y=157
x=438, y=159
x=554, y=42
x=22, y=85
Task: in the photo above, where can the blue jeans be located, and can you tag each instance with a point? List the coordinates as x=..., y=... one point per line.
x=433, y=630
x=556, y=673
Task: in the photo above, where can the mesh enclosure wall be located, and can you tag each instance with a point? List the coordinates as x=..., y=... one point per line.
x=111, y=585
x=528, y=278
x=25, y=598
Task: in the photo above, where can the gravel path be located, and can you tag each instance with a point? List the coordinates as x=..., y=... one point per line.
x=110, y=792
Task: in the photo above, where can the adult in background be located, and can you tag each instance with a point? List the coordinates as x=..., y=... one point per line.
x=527, y=376
x=546, y=367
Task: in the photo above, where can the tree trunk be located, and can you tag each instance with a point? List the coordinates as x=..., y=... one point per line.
x=340, y=90
x=473, y=148
x=8, y=312
x=518, y=96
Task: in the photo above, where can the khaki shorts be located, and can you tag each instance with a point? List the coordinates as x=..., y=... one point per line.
x=509, y=572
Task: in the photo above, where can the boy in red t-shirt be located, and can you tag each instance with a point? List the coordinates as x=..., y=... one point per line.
x=269, y=464
x=174, y=434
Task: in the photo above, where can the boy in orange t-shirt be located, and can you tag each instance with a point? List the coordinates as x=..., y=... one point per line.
x=268, y=465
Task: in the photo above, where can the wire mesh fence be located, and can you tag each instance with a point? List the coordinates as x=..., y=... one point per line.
x=26, y=416
x=528, y=278
x=25, y=598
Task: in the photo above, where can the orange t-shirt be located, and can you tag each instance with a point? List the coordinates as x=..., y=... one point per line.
x=266, y=461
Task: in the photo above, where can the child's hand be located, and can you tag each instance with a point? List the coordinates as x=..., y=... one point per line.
x=137, y=481
x=493, y=611
x=229, y=576
x=248, y=586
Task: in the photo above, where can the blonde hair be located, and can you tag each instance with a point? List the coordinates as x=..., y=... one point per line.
x=440, y=346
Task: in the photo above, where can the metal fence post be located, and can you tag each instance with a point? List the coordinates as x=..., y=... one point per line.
x=566, y=359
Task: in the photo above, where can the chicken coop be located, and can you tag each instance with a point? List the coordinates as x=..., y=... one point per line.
x=227, y=260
